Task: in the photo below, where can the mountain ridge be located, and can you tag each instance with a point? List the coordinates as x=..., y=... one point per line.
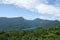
x=21, y=23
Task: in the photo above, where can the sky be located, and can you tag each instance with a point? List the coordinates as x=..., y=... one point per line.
x=30, y=9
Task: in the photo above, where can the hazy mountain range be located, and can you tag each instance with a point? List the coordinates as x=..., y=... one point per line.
x=21, y=23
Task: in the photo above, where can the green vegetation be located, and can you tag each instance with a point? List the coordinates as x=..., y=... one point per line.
x=41, y=33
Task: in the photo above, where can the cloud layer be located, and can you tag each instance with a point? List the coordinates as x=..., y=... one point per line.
x=41, y=6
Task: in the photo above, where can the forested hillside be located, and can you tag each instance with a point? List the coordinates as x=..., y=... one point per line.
x=21, y=23
x=40, y=33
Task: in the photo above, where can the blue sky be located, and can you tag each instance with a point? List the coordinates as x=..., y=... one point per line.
x=31, y=9
x=7, y=10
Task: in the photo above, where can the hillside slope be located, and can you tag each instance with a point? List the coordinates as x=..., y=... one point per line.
x=40, y=33
x=21, y=23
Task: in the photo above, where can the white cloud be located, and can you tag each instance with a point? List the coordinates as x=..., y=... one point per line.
x=48, y=9
x=39, y=5
x=28, y=4
x=49, y=18
x=44, y=17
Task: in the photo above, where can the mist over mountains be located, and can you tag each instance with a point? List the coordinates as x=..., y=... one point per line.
x=21, y=23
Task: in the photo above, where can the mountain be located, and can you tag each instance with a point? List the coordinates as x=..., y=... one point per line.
x=21, y=23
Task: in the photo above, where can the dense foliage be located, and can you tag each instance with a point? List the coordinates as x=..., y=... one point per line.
x=40, y=33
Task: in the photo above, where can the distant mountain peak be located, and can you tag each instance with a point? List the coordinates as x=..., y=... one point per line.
x=20, y=18
x=37, y=19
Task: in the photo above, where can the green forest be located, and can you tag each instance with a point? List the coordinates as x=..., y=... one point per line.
x=40, y=33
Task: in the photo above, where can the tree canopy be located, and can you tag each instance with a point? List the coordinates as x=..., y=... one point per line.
x=40, y=33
